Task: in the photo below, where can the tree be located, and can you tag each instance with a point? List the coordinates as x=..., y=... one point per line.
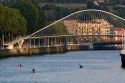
x=30, y=10
x=11, y=22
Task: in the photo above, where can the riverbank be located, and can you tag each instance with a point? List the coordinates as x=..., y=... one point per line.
x=47, y=50
x=31, y=51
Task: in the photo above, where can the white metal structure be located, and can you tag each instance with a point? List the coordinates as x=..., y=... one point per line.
x=79, y=16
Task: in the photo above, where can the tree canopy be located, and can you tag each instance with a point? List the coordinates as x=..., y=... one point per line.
x=33, y=14
x=11, y=21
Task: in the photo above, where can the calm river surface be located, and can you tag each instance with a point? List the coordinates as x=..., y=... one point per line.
x=99, y=67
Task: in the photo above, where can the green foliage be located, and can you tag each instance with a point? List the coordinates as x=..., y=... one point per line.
x=60, y=28
x=63, y=1
x=11, y=21
x=27, y=9
x=54, y=12
x=120, y=12
x=32, y=13
x=56, y=29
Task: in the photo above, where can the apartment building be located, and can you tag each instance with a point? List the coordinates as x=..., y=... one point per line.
x=98, y=26
x=120, y=32
x=94, y=27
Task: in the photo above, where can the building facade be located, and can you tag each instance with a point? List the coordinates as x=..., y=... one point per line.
x=98, y=26
x=95, y=27
x=120, y=32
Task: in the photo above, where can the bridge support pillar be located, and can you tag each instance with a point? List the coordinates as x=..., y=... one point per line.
x=48, y=44
x=20, y=43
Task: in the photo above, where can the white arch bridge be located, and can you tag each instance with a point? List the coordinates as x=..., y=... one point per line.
x=82, y=28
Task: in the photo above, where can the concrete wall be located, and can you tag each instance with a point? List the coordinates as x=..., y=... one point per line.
x=32, y=51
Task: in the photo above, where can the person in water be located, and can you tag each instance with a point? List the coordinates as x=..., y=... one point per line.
x=20, y=65
x=80, y=66
x=33, y=71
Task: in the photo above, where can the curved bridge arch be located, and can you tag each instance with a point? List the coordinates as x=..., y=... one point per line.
x=81, y=18
x=88, y=10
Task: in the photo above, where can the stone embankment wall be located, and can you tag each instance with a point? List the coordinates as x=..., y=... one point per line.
x=47, y=50
x=32, y=51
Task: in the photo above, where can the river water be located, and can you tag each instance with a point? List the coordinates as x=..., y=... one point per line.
x=99, y=67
